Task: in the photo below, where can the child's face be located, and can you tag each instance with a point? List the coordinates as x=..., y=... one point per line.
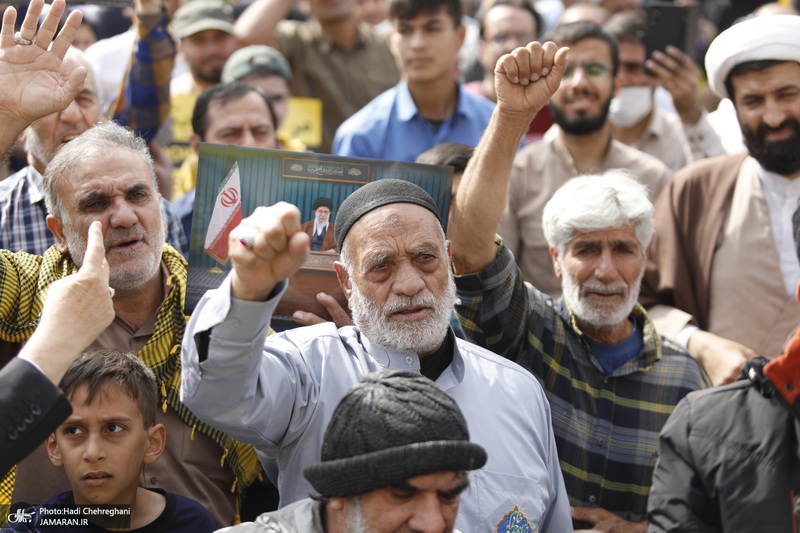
x=103, y=445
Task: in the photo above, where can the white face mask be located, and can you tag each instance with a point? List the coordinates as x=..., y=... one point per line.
x=630, y=105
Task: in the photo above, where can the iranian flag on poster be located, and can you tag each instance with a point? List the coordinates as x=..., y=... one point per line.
x=227, y=215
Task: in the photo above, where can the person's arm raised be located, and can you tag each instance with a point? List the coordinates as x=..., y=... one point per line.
x=31, y=83
x=259, y=22
x=524, y=80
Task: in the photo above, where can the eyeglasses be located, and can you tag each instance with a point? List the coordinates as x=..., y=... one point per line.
x=592, y=69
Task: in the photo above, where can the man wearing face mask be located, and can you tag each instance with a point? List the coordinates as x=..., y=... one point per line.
x=636, y=118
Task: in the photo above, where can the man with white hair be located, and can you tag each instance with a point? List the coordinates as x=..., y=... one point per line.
x=722, y=268
x=610, y=378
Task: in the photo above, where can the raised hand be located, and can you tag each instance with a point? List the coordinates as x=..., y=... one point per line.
x=31, y=83
x=526, y=78
x=265, y=248
x=677, y=73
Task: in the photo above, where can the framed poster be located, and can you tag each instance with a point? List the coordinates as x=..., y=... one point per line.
x=233, y=181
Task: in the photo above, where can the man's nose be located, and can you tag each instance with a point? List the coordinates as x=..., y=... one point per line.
x=774, y=114
x=408, y=280
x=428, y=516
x=123, y=215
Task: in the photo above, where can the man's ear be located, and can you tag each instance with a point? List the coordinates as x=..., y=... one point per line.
x=462, y=34
x=157, y=439
x=52, y=451
x=556, y=262
x=344, y=279
x=194, y=142
x=57, y=229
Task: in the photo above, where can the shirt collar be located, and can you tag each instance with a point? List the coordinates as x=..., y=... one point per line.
x=407, y=109
x=326, y=43
x=452, y=376
x=652, y=343
x=776, y=182
x=35, y=185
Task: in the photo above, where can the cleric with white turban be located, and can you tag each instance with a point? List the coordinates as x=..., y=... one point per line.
x=774, y=37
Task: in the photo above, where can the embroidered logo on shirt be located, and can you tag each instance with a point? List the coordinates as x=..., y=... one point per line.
x=514, y=522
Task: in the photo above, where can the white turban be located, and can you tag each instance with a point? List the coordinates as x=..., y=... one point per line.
x=761, y=38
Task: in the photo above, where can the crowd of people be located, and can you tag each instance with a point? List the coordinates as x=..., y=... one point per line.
x=604, y=338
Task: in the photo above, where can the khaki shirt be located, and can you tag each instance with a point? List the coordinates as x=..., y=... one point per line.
x=345, y=81
x=664, y=139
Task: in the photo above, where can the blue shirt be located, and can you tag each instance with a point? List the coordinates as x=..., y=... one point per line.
x=390, y=126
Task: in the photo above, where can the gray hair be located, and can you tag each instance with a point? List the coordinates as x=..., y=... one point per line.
x=595, y=203
x=87, y=147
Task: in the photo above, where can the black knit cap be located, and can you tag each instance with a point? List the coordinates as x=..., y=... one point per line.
x=322, y=202
x=377, y=194
x=392, y=426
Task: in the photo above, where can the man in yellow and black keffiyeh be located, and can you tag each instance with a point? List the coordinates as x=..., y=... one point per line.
x=106, y=174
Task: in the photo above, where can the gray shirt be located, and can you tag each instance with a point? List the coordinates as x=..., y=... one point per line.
x=278, y=392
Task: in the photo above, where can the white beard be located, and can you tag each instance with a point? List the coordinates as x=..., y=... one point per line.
x=599, y=315
x=421, y=336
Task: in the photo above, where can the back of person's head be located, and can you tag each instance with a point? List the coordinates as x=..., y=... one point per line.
x=584, y=11
x=393, y=426
x=627, y=26
x=93, y=143
x=411, y=9
x=454, y=155
x=573, y=32
x=221, y=94
x=595, y=203
x=98, y=369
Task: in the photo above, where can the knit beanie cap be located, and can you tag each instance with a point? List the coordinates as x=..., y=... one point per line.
x=393, y=426
x=377, y=194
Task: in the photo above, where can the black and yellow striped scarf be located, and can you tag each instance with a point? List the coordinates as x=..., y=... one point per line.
x=24, y=281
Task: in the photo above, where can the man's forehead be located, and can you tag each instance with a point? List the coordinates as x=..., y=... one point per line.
x=409, y=222
x=784, y=72
x=86, y=176
x=625, y=232
x=75, y=59
x=218, y=115
x=590, y=49
x=390, y=217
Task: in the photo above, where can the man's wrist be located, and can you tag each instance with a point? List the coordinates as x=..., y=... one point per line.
x=685, y=335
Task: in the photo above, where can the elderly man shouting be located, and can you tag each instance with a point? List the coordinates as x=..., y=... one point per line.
x=610, y=378
x=279, y=391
